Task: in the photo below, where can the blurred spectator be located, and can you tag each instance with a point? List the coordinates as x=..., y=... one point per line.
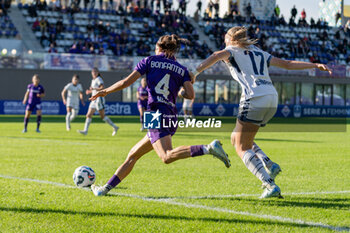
x=294, y=12
x=303, y=14
x=277, y=11
x=32, y=10
x=59, y=26
x=248, y=10
x=36, y=25
x=43, y=25
x=199, y=6
x=337, y=17
x=52, y=48
x=216, y=7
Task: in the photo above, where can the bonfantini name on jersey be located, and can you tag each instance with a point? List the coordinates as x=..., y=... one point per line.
x=168, y=66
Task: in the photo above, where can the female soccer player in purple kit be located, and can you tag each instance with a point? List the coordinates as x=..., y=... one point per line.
x=33, y=100
x=165, y=76
x=142, y=98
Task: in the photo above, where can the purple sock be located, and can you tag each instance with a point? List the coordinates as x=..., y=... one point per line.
x=114, y=181
x=197, y=150
x=26, y=120
x=38, y=120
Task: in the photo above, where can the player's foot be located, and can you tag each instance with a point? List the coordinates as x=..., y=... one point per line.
x=82, y=132
x=38, y=131
x=24, y=131
x=271, y=191
x=115, y=131
x=274, y=170
x=215, y=148
x=142, y=129
x=99, y=190
x=68, y=128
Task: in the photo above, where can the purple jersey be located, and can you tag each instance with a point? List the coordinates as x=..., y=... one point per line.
x=142, y=91
x=164, y=76
x=33, y=91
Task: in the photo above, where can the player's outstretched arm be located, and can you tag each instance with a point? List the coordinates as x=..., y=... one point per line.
x=120, y=85
x=63, y=94
x=81, y=97
x=298, y=65
x=25, y=97
x=210, y=61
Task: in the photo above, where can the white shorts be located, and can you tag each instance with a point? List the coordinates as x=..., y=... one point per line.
x=258, y=110
x=73, y=104
x=187, y=105
x=98, y=104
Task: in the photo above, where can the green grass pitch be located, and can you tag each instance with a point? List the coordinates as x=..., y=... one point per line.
x=192, y=195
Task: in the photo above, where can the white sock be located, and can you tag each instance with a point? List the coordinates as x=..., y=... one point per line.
x=262, y=156
x=205, y=149
x=74, y=115
x=109, y=121
x=255, y=166
x=68, y=120
x=87, y=124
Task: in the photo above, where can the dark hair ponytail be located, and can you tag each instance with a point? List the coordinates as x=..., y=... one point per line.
x=170, y=44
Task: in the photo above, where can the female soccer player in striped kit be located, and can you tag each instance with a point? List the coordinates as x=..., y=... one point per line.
x=165, y=76
x=33, y=95
x=249, y=67
x=97, y=104
x=74, y=92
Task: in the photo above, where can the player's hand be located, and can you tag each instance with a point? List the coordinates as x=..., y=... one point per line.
x=88, y=92
x=193, y=78
x=102, y=93
x=181, y=92
x=83, y=103
x=38, y=95
x=24, y=102
x=64, y=102
x=324, y=67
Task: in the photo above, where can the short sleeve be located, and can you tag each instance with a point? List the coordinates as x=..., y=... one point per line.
x=67, y=87
x=99, y=81
x=80, y=88
x=267, y=57
x=231, y=50
x=186, y=77
x=141, y=67
x=28, y=87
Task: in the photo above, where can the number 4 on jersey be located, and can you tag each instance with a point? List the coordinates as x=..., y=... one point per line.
x=163, y=86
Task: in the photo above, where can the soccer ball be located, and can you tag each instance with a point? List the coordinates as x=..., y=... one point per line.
x=84, y=176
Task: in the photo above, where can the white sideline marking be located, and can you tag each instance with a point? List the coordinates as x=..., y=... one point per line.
x=49, y=140
x=257, y=195
x=196, y=206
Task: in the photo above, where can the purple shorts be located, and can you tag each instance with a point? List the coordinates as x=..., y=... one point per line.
x=142, y=104
x=33, y=106
x=168, y=115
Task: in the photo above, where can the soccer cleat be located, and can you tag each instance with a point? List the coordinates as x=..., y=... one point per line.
x=24, y=131
x=115, y=131
x=274, y=170
x=82, y=132
x=142, y=129
x=272, y=191
x=99, y=190
x=68, y=128
x=38, y=131
x=215, y=148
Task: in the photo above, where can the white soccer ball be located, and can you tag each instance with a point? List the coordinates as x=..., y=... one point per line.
x=84, y=176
